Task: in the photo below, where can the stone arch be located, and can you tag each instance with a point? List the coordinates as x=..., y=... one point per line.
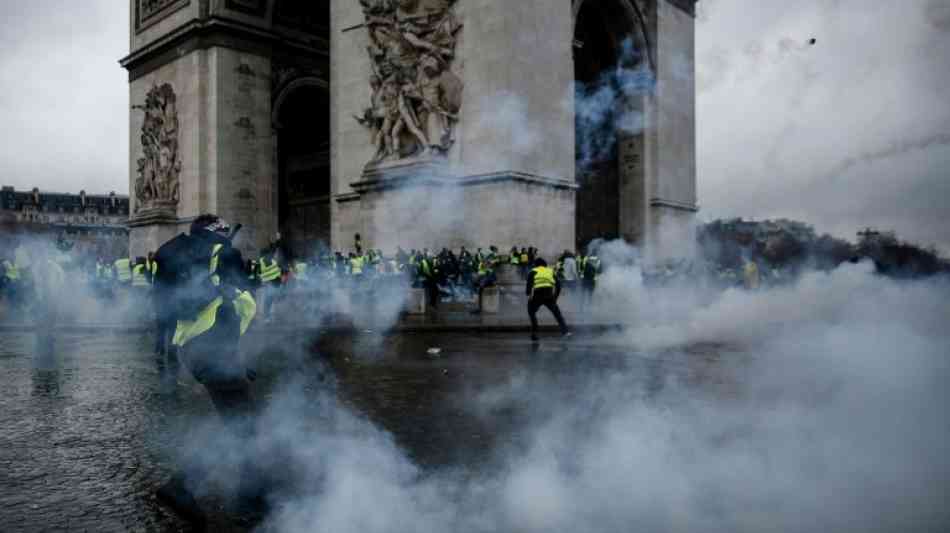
x=612, y=37
x=301, y=118
x=288, y=88
x=635, y=15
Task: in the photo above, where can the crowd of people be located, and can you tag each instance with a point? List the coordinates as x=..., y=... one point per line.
x=447, y=275
x=459, y=276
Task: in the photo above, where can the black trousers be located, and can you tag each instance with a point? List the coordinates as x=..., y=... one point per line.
x=544, y=298
x=165, y=323
x=587, y=292
x=432, y=292
x=214, y=361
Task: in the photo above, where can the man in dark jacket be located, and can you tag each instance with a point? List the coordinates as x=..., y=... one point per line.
x=202, y=280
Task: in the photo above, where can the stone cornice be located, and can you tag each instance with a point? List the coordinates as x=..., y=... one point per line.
x=414, y=180
x=151, y=217
x=214, y=31
x=659, y=202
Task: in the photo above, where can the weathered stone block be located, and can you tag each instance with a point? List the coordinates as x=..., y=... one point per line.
x=416, y=302
x=491, y=301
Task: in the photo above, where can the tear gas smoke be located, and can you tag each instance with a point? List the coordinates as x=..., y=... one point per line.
x=607, y=106
x=833, y=418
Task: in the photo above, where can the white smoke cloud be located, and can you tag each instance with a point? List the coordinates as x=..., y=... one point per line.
x=818, y=406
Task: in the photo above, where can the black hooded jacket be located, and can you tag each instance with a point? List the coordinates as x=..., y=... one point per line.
x=182, y=283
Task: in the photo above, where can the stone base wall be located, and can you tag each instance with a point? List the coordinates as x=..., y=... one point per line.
x=144, y=239
x=504, y=213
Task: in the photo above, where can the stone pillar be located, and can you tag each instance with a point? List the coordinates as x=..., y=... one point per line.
x=150, y=228
x=213, y=150
x=671, y=140
x=224, y=147
x=507, y=177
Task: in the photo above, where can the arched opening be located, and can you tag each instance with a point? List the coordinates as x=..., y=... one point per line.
x=613, y=76
x=302, y=122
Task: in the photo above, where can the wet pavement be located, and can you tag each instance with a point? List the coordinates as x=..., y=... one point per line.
x=90, y=429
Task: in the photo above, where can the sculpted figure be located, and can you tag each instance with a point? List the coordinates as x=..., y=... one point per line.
x=160, y=165
x=408, y=119
x=377, y=7
x=439, y=91
x=382, y=116
x=415, y=96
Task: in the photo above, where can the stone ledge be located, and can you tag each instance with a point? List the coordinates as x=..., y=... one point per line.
x=207, y=33
x=405, y=178
x=155, y=216
x=659, y=202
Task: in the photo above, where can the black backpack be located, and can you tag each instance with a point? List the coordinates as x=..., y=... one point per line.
x=182, y=283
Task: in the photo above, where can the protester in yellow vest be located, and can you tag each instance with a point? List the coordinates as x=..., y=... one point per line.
x=207, y=285
x=543, y=288
x=356, y=266
x=140, y=274
x=10, y=272
x=123, y=270
x=750, y=273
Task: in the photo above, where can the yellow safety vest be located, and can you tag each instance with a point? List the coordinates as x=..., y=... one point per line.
x=356, y=265
x=123, y=270
x=300, y=270
x=103, y=271
x=11, y=272
x=594, y=262
x=244, y=306
x=269, y=272
x=152, y=267
x=138, y=276
x=426, y=267
x=524, y=259
x=751, y=272
x=543, y=278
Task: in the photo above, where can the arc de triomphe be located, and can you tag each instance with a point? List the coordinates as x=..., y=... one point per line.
x=420, y=123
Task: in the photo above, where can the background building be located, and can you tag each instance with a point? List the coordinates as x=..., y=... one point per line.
x=92, y=224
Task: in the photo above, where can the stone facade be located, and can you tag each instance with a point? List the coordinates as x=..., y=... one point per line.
x=93, y=223
x=217, y=58
x=453, y=122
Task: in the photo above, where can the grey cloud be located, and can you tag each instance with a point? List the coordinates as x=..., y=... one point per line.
x=938, y=13
x=64, y=103
x=850, y=132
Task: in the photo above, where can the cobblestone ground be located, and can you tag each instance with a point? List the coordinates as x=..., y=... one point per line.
x=88, y=432
x=82, y=428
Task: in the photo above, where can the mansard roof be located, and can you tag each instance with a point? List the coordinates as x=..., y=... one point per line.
x=13, y=200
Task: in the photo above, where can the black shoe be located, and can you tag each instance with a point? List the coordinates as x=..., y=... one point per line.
x=567, y=335
x=534, y=338
x=175, y=495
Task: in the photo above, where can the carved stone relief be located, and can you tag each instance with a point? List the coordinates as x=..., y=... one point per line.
x=159, y=168
x=416, y=97
x=148, y=12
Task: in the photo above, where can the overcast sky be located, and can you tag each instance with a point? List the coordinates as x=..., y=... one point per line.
x=852, y=131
